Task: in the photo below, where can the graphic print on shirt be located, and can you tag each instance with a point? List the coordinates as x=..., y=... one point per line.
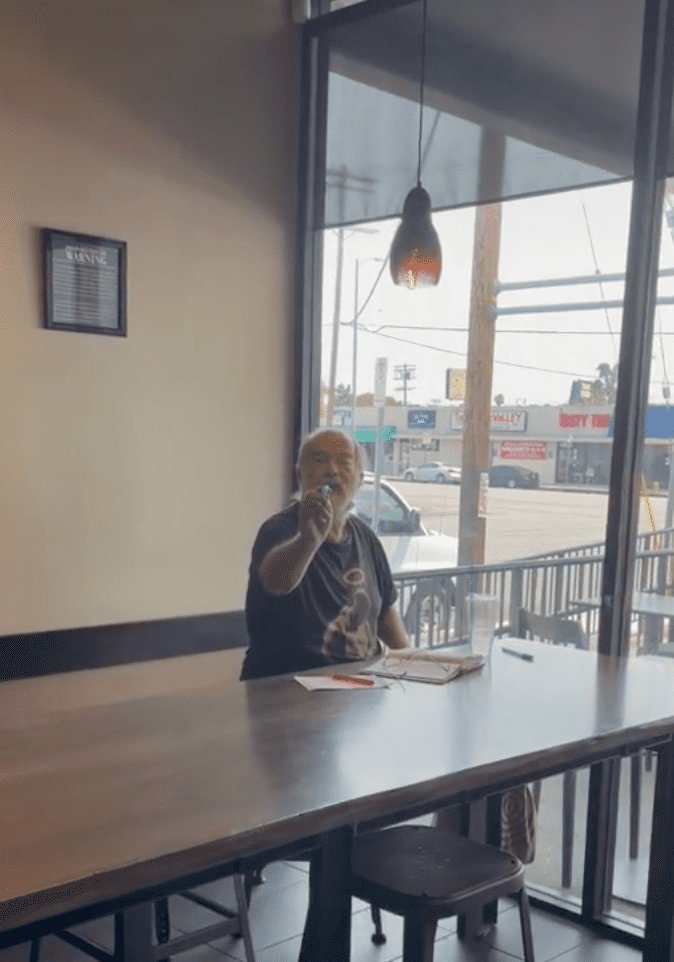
x=349, y=633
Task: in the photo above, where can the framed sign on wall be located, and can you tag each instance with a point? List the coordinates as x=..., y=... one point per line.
x=83, y=283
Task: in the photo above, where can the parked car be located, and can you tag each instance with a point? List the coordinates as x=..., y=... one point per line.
x=410, y=548
x=433, y=471
x=512, y=476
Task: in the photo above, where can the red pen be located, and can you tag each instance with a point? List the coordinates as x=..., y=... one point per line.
x=355, y=679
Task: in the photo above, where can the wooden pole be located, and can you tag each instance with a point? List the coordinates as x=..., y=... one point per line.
x=480, y=362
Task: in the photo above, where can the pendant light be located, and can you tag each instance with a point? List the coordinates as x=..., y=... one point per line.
x=416, y=258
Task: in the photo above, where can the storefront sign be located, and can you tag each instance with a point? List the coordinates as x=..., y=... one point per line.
x=369, y=434
x=421, y=419
x=500, y=421
x=597, y=422
x=523, y=450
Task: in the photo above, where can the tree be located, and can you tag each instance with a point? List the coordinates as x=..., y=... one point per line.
x=343, y=396
x=604, y=388
x=499, y=400
x=367, y=400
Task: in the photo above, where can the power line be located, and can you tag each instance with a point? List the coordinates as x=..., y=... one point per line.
x=374, y=287
x=445, y=350
x=601, y=286
x=505, y=330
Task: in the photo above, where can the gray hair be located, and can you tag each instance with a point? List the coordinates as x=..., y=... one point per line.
x=358, y=454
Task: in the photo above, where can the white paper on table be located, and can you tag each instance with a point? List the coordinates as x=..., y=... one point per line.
x=327, y=683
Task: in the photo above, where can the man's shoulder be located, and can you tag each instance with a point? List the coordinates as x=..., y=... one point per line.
x=364, y=530
x=281, y=525
x=285, y=516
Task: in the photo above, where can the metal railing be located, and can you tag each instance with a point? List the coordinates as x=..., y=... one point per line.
x=433, y=602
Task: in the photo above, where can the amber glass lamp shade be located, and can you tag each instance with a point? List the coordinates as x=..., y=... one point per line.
x=416, y=258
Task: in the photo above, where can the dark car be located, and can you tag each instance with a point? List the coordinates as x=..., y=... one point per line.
x=512, y=476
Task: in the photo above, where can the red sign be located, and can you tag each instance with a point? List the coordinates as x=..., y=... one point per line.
x=523, y=450
x=599, y=422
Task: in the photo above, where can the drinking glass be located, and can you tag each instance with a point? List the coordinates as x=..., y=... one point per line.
x=483, y=613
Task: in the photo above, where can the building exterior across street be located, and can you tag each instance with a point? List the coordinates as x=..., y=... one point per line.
x=563, y=444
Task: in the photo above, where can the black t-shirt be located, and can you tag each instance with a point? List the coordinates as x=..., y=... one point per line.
x=331, y=616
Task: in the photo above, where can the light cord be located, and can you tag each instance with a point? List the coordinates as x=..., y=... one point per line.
x=421, y=86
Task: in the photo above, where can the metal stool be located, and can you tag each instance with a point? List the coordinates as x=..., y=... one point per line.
x=426, y=874
x=235, y=922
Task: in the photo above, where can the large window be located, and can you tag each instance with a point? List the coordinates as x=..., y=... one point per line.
x=530, y=128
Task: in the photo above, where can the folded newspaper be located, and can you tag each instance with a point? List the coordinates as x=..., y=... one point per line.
x=432, y=665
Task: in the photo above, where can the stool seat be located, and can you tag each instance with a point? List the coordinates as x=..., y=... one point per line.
x=426, y=874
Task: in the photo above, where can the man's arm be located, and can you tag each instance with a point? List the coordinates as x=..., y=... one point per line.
x=391, y=629
x=283, y=567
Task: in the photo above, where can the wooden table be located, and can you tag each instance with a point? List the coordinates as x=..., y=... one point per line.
x=121, y=784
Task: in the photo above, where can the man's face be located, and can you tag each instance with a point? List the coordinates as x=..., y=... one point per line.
x=329, y=459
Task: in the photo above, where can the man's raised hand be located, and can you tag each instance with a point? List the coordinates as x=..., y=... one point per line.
x=315, y=517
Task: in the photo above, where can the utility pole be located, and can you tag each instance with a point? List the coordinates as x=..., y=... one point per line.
x=340, y=176
x=404, y=373
x=341, y=183
x=480, y=361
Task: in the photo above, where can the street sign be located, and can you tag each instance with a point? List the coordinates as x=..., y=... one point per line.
x=380, y=368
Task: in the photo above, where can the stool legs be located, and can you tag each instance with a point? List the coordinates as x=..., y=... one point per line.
x=418, y=937
x=378, y=936
x=568, y=819
x=162, y=924
x=635, y=802
x=525, y=924
x=242, y=909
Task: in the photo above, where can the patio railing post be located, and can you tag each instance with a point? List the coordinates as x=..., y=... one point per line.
x=516, y=597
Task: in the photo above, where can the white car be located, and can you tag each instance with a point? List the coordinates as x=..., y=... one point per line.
x=410, y=548
x=433, y=471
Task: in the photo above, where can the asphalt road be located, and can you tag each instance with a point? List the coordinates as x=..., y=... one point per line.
x=520, y=522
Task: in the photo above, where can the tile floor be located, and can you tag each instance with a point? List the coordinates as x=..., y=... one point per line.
x=278, y=909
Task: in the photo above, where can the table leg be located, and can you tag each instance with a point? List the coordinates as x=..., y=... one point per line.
x=484, y=826
x=135, y=933
x=327, y=932
x=658, y=943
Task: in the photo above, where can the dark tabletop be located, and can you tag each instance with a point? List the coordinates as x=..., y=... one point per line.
x=117, y=778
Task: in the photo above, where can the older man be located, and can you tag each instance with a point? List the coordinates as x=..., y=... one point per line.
x=320, y=590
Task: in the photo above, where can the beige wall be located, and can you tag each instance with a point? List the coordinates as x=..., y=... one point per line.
x=170, y=125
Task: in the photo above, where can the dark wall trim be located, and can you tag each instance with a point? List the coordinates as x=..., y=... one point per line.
x=52, y=652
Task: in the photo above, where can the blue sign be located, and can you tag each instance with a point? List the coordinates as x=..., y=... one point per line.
x=421, y=419
x=659, y=422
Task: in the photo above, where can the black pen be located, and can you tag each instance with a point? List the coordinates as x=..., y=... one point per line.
x=518, y=654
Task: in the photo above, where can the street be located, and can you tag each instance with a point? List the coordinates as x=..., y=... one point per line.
x=522, y=522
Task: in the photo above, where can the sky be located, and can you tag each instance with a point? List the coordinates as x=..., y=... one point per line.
x=542, y=238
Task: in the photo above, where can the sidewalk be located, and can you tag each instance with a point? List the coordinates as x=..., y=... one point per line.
x=577, y=486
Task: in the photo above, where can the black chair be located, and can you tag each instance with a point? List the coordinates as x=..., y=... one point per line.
x=557, y=631
x=426, y=874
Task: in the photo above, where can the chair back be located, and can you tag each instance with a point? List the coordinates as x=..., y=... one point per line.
x=558, y=631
